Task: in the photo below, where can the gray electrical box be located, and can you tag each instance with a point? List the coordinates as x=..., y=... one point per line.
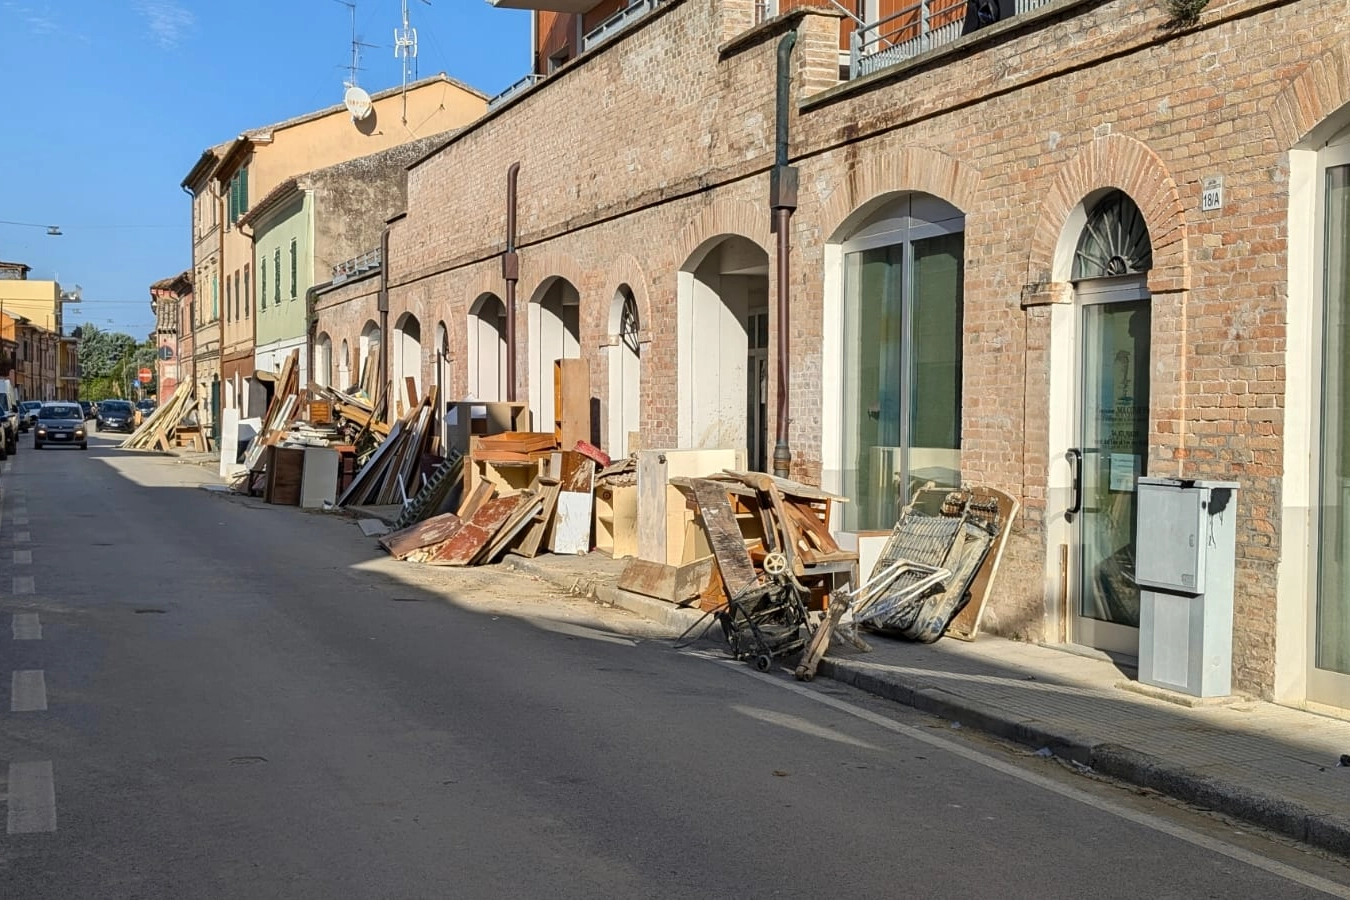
x=1184, y=558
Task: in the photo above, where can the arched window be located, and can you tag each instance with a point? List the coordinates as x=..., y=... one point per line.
x=1114, y=240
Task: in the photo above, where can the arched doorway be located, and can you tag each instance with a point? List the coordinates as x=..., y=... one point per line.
x=555, y=333
x=1109, y=433
x=344, y=367
x=625, y=371
x=485, y=335
x=406, y=361
x=323, y=360
x=368, y=359
x=723, y=377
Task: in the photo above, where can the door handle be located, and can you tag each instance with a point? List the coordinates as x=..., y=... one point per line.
x=1076, y=461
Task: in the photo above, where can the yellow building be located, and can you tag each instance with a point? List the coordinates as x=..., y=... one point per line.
x=37, y=301
x=261, y=159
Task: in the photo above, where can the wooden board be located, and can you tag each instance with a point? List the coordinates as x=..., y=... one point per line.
x=528, y=505
x=738, y=572
x=572, y=523
x=533, y=537
x=966, y=624
x=675, y=584
x=465, y=546
x=435, y=530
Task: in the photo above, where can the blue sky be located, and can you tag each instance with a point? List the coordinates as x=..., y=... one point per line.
x=110, y=102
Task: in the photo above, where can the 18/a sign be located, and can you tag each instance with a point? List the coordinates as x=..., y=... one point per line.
x=1211, y=194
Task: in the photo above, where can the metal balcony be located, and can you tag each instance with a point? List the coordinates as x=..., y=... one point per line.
x=915, y=30
x=515, y=90
x=620, y=21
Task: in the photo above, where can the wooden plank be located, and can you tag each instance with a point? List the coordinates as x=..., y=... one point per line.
x=966, y=623
x=533, y=536
x=475, y=500
x=572, y=523
x=527, y=506
x=435, y=530
x=738, y=572
x=461, y=549
x=674, y=584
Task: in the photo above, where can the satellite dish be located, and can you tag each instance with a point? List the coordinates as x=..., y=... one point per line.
x=357, y=102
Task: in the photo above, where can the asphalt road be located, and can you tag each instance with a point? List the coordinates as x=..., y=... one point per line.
x=222, y=699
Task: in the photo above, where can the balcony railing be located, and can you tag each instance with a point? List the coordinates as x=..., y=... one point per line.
x=357, y=265
x=915, y=30
x=618, y=22
x=515, y=90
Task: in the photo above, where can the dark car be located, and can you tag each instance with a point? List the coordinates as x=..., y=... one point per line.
x=60, y=423
x=90, y=411
x=28, y=413
x=146, y=408
x=116, y=415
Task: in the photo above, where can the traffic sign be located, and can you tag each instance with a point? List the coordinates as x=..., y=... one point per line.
x=145, y=375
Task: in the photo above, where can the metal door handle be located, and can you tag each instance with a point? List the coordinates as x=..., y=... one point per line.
x=1076, y=460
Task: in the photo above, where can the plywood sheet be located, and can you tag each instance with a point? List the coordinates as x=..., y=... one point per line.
x=728, y=546
x=465, y=545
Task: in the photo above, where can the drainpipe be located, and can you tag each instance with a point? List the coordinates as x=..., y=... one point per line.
x=382, y=303
x=782, y=201
x=192, y=255
x=511, y=272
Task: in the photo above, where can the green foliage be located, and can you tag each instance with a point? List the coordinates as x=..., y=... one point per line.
x=1184, y=13
x=103, y=352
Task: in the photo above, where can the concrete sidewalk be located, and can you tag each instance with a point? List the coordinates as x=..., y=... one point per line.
x=1271, y=765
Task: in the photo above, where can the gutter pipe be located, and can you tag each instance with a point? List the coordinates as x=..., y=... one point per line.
x=783, y=201
x=511, y=272
x=382, y=303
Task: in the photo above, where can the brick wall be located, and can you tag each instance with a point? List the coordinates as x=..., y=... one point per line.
x=634, y=157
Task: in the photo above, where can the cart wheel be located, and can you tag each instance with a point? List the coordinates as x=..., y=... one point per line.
x=764, y=662
x=775, y=563
x=805, y=674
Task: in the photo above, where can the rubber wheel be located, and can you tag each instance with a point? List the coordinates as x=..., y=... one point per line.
x=84, y=446
x=764, y=662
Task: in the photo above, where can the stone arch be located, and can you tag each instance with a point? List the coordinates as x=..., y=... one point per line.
x=1306, y=110
x=1114, y=161
x=911, y=169
x=721, y=217
x=540, y=270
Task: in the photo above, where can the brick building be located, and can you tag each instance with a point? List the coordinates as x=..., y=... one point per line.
x=1081, y=227
x=170, y=300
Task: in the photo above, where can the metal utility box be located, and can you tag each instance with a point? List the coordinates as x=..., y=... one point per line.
x=1185, y=548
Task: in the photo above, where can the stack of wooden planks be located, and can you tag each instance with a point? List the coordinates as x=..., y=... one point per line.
x=393, y=473
x=158, y=431
x=494, y=517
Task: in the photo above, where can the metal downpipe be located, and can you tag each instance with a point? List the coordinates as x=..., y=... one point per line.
x=511, y=272
x=783, y=201
x=383, y=305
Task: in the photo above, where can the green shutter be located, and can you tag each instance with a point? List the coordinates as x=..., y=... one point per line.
x=276, y=276
x=243, y=190
x=262, y=283
x=294, y=268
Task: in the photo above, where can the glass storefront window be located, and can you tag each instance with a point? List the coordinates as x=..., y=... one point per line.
x=902, y=333
x=1333, y=600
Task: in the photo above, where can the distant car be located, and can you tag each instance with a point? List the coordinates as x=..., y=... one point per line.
x=60, y=422
x=146, y=408
x=90, y=410
x=116, y=415
x=28, y=413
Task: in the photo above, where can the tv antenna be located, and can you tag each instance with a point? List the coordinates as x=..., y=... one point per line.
x=355, y=99
x=405, y=48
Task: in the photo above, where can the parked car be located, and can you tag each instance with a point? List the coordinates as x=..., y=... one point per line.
x=146, y=408
x=60, y=422
x=116, y=415
x=90, y=410
x=28, y=413
x=9, y=418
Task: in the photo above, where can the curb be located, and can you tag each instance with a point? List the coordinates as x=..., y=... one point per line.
x=676, y=620
x=1326, y=832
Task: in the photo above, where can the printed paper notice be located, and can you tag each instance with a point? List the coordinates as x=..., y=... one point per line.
x=1124, y=470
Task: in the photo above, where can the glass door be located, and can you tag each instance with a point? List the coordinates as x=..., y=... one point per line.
x=1112, y=452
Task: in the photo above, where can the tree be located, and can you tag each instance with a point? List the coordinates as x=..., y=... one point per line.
x=104, y=359
x=102, y=352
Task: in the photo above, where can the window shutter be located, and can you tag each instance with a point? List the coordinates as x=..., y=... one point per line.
x=262, y=284
x=276, y=277
x=294, y=268
x=248, y=293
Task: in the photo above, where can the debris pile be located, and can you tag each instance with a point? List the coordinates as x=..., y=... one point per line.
x=171, y=425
